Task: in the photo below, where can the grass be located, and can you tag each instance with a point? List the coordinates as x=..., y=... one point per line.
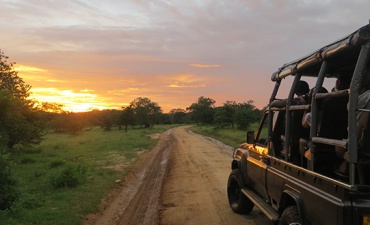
x=230, y=136
x=65, y=177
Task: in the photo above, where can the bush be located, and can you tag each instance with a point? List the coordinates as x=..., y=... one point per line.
x=27, y=160
x=69, y=177
x=40, y=173
x=8, y=191
x=21, y=149
x=56, y=163
x=28, y=201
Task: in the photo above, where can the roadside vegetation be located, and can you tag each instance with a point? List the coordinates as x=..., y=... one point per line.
x=66, y=176
x=229, y=136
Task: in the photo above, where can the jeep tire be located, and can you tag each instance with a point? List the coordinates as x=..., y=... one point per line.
x=239, y=203
x=290, y=216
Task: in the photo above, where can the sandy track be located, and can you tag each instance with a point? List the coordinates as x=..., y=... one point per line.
x=181, y=181
x=195, y=188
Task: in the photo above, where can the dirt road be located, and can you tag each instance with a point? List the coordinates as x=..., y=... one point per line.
x=181, y=181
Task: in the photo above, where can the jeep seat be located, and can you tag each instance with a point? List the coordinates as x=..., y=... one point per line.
x=332, y=123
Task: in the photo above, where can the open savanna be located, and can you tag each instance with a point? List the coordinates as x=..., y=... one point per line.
x=66, y=176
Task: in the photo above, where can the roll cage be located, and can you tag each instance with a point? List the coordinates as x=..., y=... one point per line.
x=348, y=56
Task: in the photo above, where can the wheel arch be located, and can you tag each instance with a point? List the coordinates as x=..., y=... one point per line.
x=291, y=198
x=235, y=164
x=239, y=162
x=238, y=155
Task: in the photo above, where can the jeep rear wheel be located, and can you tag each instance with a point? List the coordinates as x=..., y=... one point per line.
x=239, y=203
x=290, y=216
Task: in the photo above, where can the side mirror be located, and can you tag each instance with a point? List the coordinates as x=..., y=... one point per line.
x=250, y=137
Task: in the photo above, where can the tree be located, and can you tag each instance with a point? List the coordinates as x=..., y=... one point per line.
x=127, y=117
x=110, y=118
x=146, y=112
x=246, y=114
x=94, y=118
x=177, y=116
x=68, y=122
x=6, y=100
x=203, y=110
x=10, y=81
x=19, y=122
x=164, y=118
x=224, y=115
x=51, y=107
x=8, y=190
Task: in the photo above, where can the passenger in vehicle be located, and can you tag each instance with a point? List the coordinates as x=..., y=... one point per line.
x=297, y=130
x=301, y=92
x=306, y=119
x=332, y=124
x=306, y=123
x=362, y=134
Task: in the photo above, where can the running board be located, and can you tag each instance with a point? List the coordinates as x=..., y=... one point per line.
x=261, y=204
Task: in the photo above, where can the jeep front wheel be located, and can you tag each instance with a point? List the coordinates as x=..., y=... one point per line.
x=290, y=216
x=239, y=203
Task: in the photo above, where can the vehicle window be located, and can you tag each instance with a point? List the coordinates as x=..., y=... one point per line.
x=263, y=133
x=285, y=87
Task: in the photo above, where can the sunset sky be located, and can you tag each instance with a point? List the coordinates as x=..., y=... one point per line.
x=89, y=54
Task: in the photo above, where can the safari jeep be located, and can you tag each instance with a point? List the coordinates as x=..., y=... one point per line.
x=318, y=174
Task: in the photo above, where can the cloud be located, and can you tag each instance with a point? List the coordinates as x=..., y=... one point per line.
x=181, y=85
x=56, y=95
x=28, y=69
x=204, y=66
x=55, y=81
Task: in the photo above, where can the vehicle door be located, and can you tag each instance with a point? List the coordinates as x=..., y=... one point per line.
x=256, y=167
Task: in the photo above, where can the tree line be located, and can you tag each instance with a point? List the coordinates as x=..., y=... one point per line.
x=142, y=112
x=24, y=121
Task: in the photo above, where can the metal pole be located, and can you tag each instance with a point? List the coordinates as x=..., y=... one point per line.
x=314, y=112
x=352, y=107
x=297, y=77
x=270, y=116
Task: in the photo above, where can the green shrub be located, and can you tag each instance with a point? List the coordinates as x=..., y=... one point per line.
x=27, y=160
x=56, y=163
x=59, y=146
x=40, y=173
x=28, y=201
x=20, y=148
x=8, y=191
x=69, y=177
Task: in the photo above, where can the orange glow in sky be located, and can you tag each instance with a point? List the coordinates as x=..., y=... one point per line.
x=57, y=90
x=72, y=101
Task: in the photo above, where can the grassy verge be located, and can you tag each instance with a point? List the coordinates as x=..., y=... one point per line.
x=230, y=136
x=66, y=176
